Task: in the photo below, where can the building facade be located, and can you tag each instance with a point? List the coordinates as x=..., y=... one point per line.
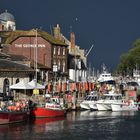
x=77, y=61
x=12, y=72
x=41, y=48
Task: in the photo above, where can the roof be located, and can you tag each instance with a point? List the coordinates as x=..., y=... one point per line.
x=18, y=57
x=39, y=66
x=8, y=65
x=5, y=16
x=10, y=36
x=4, y=55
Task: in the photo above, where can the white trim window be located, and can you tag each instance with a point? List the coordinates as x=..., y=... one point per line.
x=54, y=62
x=59, y=51
x=63, y=66
x=54, y=50
x=64, y=51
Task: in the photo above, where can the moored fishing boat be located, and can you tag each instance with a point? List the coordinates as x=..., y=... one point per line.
x=16, y=112
x=51, y=108
x=89, y=102
x=13, y=117
x=105, y=102
x=105, y=76
x=125, y=106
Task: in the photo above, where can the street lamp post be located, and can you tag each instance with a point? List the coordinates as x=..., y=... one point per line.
x=55, y=70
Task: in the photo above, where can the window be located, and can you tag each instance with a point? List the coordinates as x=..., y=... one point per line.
x=54, y=62
x=2, y=27
x=54, y=50
x=59, y=51
x=6, y=86
x=63, y=66
x=17, y=80
x=79, y=63
x=64, y=51
x=58, y=64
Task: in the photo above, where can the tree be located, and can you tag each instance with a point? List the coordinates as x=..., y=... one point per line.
x=129, y=60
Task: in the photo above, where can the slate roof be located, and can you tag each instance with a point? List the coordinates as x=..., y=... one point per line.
x=4, y=55
x=8, y=65
x=10, y=36
x=18, y=57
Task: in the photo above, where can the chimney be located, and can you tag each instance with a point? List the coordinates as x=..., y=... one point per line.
x=72, y=41
x=57, y=32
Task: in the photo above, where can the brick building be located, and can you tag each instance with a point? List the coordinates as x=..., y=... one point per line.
x=77, y=61
x=49, y=51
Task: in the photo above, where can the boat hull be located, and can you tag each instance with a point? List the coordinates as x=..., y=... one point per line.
x=13, y=117
x=40, y=112
x=93, y=106
x=123, y=107
x=101, y=107
x=84, y=106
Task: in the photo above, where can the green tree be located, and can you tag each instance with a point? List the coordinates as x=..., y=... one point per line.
x=129, y=60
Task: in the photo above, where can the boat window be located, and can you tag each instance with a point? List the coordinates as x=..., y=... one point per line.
x=87, y=98
x=111, y=98
x=107, y=98
x=118, y=97
x=93, y=98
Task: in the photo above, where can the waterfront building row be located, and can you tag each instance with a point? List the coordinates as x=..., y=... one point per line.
x=49, y=58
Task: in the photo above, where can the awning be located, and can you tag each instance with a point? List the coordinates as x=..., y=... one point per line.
x=21, y=85
x=36, y=85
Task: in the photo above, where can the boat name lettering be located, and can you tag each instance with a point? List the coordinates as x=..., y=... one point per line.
x=52, y=106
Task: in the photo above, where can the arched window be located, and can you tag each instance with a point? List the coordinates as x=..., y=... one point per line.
x=6, y=86
x=59, y=51
x=17, y=80
x=54, y=50
x=2, y=27
x=64, y=51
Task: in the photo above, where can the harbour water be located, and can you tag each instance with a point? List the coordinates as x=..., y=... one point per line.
x=81, y=125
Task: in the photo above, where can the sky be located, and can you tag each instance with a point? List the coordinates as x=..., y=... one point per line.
x=111, y=26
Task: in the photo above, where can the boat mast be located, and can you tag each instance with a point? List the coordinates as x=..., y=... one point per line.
x=36, y=55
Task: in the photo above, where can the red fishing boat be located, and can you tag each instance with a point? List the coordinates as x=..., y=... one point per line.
x=13, y=112
x=13, y=117
x=49, y=109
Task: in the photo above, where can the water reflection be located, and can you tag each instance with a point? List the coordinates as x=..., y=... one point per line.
x=81, y=125
x=107, y=113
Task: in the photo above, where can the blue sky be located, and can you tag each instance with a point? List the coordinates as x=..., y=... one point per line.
x=111, y=25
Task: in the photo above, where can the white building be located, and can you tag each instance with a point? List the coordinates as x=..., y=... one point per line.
x=7, y=22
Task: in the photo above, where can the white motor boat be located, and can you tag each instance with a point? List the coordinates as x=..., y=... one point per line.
x=92, y=104
x=105, y=76
x=104, y=103
x=90, y=99
x=125, y=106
